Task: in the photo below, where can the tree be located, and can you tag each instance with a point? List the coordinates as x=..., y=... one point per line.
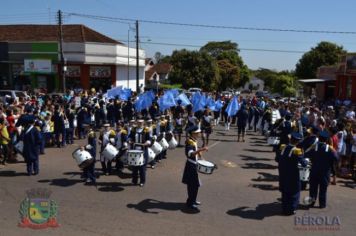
x=194, y=69
x=160, y=58
x=232, y=70
x=324, y=54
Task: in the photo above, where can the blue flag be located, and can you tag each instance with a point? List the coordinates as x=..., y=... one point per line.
x=166, y=101
x=184, y=99
x=125, y=94
x=233, y=107
x=198, y=102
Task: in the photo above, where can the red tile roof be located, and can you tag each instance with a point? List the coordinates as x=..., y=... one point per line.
x=162, y=68
x=49, y=33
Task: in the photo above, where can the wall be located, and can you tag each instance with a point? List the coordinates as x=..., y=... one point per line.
x=121, y=77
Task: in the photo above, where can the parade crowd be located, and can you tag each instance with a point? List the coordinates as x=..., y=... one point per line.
x=304, y=134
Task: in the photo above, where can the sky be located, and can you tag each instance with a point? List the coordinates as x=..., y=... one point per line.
x=326, y=15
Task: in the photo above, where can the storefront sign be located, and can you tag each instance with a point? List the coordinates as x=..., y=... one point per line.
x=73, y=71
x=36, y=65
x=100, y=71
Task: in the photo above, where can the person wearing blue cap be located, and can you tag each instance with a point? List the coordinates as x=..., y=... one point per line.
x=288, y=158
x=31, y=146
x=308, y=144
x=285, y=129
x=190, y=174
x=322, y=158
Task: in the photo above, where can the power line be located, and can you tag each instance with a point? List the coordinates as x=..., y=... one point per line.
x=114, y=19
x=199, y=46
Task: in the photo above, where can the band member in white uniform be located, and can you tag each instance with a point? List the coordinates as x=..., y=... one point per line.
x=140, y=139
x=104, y=139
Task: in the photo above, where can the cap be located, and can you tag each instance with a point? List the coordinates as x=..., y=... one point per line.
x=324, y=134
x=194, y=129
x=106, y=125
x=140, y=121
x=297, y=136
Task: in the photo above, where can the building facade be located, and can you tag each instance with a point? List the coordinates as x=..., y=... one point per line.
x=29, y=58
x=346, y=78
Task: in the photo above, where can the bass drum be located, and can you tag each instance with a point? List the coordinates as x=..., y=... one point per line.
x=151, y=155
x=83, y=158
x=156, y=148
x=110, y=152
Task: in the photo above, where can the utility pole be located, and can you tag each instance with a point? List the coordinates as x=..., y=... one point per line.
x=137, y=61
x=60, y=36
x=128, y=58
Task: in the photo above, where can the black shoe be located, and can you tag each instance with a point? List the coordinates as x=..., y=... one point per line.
x=197, y=203
x=193, y=207
x=289, y=213
x=142, y=184
x=322, y=207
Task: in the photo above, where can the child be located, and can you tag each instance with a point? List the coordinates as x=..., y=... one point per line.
x=89, y=171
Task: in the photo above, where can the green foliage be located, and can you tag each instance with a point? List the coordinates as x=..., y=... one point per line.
x=160, y=58
x=325, y=53
x=194, y=69
x=170, y=86
x=232, y=70
x=283, y=82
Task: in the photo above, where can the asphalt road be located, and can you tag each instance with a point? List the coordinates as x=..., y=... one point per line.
x=239, y=198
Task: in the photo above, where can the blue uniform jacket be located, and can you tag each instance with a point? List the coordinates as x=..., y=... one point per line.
x=322, y=159
x=288, y=159
x=32, y=142
x=190, y=174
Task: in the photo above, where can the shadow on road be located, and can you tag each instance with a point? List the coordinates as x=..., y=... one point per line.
x=265, y=187
x=347, y=184
x=61, y=182
x=11, y=173
x=148, y=206
x=262, y=211
x=266, y=177
x=257, y=165
x=111, y=186
x=252, y=158
x=257, y=150
x=222, y=140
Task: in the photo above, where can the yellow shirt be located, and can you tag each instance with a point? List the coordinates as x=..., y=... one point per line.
x=4, y=137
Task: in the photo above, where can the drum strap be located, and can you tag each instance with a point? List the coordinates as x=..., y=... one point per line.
x=311, y=146
x=191, y=161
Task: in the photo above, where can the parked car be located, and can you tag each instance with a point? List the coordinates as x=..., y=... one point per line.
x=193, y=90
x=226, y=95
x=15, y=94
x=262, y=94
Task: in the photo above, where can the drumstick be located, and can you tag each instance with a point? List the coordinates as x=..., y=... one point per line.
x=214, y=144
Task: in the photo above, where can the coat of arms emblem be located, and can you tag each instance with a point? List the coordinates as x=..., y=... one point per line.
x=37, y=211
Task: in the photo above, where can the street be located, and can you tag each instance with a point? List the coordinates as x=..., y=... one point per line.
x=241, y=197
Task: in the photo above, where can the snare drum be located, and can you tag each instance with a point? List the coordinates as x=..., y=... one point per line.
x=156, y=148
x=205, y=167
x=19, y=146
x=172, y=143
x=82, y=157
x=135, y=158
x=163, y=142
x=151, y=155
x=110, y=152
x=273, y=141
